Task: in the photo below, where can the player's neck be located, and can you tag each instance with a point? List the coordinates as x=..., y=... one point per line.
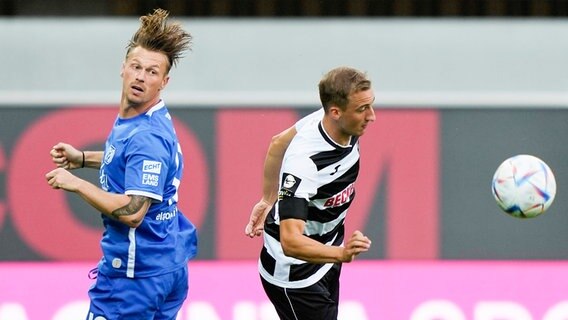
x=130, y=109
x=334, y=132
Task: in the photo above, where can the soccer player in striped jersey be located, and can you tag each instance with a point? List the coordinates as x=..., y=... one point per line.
x=147, y=241
x=304, y=243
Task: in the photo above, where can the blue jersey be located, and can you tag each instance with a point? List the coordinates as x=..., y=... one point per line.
x=143, y=157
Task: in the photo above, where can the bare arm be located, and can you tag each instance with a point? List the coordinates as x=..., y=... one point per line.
x=296, y=244
x=68, y=157
x=93, y=159
x=134, y=212
x=129, y=210
x=272, y=164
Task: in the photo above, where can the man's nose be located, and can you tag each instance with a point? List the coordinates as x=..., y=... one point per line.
x=371, y=116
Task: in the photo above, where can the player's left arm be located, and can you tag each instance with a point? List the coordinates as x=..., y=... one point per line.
x=296, y=244
x=134, y=212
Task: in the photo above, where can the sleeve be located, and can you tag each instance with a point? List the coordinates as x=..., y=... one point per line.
x=295, y=192
x=310, y=118
x=146, y=165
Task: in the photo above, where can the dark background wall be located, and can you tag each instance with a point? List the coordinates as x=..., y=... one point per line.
x=291, y=8
x=424, y=190
x=473, y=143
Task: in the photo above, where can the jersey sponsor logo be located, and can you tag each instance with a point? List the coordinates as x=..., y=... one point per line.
x=109, y=154
x=162, y=216
x=151, y=166
x=340, y=198
x=150, y=179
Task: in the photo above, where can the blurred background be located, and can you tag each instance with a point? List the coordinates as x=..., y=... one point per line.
x=461, y=85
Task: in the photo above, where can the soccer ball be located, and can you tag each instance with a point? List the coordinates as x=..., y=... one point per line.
x=524, y=186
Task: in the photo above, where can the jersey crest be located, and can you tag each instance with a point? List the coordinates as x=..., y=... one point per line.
x=109, y=154
x=290, y=184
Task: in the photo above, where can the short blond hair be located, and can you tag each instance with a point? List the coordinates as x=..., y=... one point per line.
x=337, y=84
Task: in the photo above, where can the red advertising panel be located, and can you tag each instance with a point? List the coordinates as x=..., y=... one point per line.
x=224, y=151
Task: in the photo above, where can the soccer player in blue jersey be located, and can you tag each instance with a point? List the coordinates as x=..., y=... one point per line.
x=304, y=236
x=147, y=241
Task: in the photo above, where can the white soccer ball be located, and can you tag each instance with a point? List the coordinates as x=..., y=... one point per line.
x=524, y=186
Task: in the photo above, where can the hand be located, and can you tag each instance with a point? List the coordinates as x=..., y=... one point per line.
x=62, y=179
x=66, y=156
x=255, y=227
x=355, y=245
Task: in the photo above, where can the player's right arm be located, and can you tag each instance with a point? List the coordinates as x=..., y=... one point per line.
x=128, y=209
x=272, y=164
x=296, y=244
x=68, y=157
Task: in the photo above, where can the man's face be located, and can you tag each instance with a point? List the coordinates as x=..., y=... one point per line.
x=144, y=75
x=358, y=113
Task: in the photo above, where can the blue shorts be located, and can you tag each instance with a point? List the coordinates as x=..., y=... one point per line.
x=151, y=298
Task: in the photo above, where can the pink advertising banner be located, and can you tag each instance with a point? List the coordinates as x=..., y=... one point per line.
x=370, y=290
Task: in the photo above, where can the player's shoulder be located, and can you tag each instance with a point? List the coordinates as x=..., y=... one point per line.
x=310, y=119
x=308, y=142
x=150, y=137
x=307, y=138
x=157, y=124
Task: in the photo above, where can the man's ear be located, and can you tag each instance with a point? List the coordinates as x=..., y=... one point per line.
x=334, y=112
x=165, y=82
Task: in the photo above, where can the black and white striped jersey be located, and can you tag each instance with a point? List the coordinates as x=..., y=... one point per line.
x=316, y=185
